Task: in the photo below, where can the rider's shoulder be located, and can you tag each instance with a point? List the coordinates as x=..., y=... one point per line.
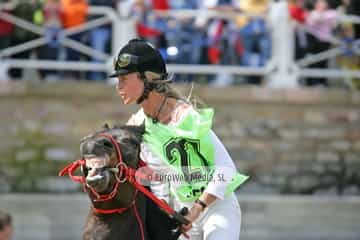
x=136, y=118
x=181, y=110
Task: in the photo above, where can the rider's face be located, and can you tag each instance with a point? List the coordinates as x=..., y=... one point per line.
x=130, y=87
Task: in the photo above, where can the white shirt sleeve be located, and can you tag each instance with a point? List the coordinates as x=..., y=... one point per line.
x=224, y=169
x=136, y=118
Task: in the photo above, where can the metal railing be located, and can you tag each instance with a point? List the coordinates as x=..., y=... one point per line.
x=281, y=71
x=123, y=29
x=108, y=17
x=337, y=49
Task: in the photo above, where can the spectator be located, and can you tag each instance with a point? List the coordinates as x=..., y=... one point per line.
x=349, y=59
x=351, y=8
x=140, y=10
x=333, y=4
x=74, y=14
x=297, y=11
x=52, y=22
x=99, y=38
x=299, y=14
x=6, y=229
x=220, y=35
x=28, y=11
x=254, y=34
x=183, y=39
x=182, y=35
x=160, y=4
x=221, y=38
x=321, y=21
x=6, y=29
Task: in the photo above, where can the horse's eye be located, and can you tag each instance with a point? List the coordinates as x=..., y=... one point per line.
x=108, y=144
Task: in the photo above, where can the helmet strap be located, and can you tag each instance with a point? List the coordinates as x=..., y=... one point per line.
x=148, y=87
x=155, y=84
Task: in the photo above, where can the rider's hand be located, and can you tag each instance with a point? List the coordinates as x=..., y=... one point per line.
x=193, y=214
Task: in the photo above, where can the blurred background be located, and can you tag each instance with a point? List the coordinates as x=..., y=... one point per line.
x=283, y=77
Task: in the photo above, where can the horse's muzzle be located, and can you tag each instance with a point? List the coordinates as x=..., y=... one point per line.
x=98, y=180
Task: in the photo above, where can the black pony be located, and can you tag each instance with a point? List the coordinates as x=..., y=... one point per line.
x=119, y=210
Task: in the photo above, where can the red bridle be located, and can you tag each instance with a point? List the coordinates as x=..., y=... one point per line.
x=128, y=174
x=125, y=173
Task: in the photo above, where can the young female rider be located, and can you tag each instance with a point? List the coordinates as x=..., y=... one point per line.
x=194, y=169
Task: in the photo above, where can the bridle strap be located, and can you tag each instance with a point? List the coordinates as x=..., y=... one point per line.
x=148, y=87
x=121, y=210
x=71, y=168
x=116, y=146
x=105, y=197
x=116, y=210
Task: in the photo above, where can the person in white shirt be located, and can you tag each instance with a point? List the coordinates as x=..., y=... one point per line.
x=194, y=169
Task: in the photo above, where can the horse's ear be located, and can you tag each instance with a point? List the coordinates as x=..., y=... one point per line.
x=106, y=126
x=142, y=129
x=138, y=131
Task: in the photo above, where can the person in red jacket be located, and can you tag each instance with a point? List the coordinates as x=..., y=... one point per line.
x=74, y=14
x=296, y=10
x=299, y=14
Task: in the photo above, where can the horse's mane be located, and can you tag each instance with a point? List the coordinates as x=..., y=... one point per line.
x=119, y=132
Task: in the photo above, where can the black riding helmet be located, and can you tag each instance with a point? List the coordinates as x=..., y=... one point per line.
x=139, y=56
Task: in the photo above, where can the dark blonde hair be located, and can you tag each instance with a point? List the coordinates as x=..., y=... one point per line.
x=163, y=86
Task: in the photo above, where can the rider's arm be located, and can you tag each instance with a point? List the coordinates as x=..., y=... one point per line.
x=224, y=169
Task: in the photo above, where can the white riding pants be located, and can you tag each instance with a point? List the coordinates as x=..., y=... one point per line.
x=220, y=221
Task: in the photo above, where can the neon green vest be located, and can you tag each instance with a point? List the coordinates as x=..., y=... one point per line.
x=188, y=149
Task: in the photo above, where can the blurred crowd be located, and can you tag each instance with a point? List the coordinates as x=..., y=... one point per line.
x=322, y=30
x=242, y=40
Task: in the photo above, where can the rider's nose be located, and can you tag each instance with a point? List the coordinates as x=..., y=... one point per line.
x=119, y=85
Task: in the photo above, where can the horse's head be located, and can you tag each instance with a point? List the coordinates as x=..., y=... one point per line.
x=101, y=169
x=109, y=162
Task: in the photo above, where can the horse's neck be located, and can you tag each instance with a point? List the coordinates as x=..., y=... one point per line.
x=116, y=226
x=124, y=198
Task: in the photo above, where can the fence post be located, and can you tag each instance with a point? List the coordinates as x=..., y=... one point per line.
x=283, y=71
x=123, y=29
x=4, y=67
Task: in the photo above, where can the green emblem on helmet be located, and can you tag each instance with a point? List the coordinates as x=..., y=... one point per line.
x=123, y=60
